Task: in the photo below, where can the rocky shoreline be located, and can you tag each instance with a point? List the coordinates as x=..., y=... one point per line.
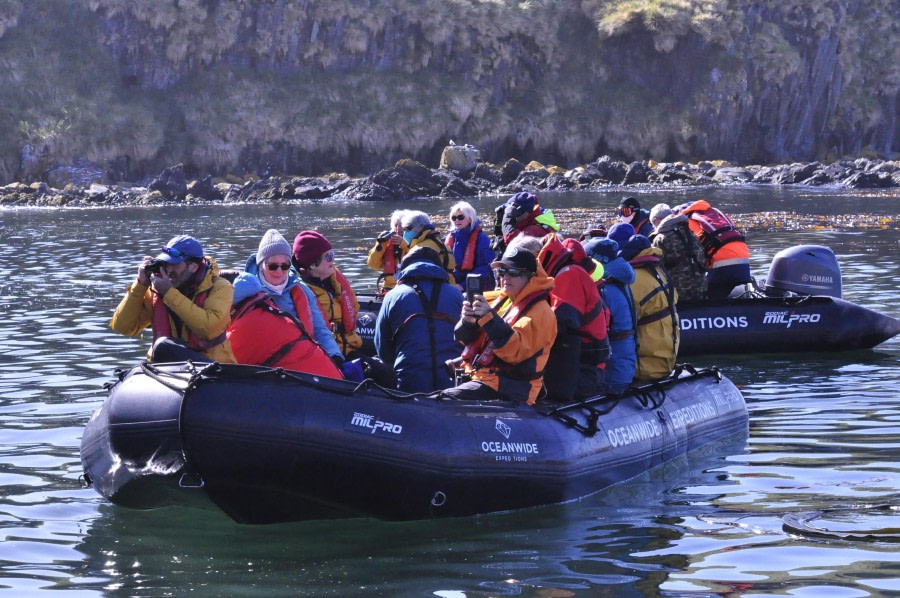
x=409, y=179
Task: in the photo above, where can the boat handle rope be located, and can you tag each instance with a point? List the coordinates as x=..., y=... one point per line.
x=165, y=378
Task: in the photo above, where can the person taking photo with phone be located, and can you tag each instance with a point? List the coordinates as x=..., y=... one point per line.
x=508, y=341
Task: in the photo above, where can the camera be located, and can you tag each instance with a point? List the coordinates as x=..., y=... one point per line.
x=473, y=287
x=154, y=266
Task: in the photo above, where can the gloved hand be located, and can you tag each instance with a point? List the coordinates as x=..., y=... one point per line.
x=353, y=370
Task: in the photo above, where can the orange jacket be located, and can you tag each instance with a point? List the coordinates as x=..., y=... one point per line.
x=520, y=350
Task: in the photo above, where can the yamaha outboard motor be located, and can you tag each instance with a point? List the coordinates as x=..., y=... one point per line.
x=804, y=270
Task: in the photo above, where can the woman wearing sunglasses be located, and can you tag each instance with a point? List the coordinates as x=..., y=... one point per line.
x=313, y=257
x=470, y=246
x=275, y=320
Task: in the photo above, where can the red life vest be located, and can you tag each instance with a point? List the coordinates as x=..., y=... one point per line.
x=392, y=252
x=162, y=318
x=480, y=352
x=263, y=334
x=717, y=228
x=468, y=262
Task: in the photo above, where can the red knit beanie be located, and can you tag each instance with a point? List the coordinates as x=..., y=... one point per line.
x=308, y=247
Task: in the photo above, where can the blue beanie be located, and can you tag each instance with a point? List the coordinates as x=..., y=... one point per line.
x=602, y=250
x=634, y=245
x=620, y=233
x=523, y=200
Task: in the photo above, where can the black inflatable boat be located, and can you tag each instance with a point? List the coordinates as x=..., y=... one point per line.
x=271, y=446
x=799, y=308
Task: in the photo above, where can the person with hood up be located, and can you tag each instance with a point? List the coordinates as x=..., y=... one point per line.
x=470, y=246
x=313, y=256
x=418, y=231
x=575, y=369
x=508, y=341
x=387, y=253
x=616, y=291
x=275, y=319
x=683, y=255
x=523, y=215
x=414, y=329
x=180, y=294
x=658, y=334
x=631, y=212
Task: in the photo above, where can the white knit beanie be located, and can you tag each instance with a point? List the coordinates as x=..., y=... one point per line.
x=272, y=244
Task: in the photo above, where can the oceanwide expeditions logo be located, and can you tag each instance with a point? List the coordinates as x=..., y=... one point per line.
x=508, y=451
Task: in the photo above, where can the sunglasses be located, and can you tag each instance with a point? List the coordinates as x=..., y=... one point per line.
x=328, y=257
x=513, y=272
x=458, y=217
x=273, y=267
x=172, y=251
x=626, y=211
x=408, y=228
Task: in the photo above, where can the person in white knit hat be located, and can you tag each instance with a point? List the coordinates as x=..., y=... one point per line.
x=269, y=270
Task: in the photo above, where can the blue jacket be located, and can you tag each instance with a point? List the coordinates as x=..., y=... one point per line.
x=484, y=255
x=248, y=284
x=617, y=275
x=410, y=351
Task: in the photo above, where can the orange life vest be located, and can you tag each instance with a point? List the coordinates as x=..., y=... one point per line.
x=468, y=262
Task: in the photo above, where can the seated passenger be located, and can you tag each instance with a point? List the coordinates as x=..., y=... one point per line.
x=523, y=215
x=658, y=334
x=418, y=231
x=313, y=257
x=682, y=255
x=616, y=292
x=508, y=341
x=631, y=212
x=579, y=354
x=180, y=295
x=414, y=329
x=275, y=321
x=727, y=255
x=389, y=250
x=470, y=246
x=620, y=232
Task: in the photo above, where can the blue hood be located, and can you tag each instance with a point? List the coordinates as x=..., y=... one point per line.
x=423, y=270
x=619, y=270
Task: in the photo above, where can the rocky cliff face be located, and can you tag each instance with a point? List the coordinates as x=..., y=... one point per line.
x=304, y=86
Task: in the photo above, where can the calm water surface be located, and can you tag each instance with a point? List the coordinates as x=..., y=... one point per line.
x=824, y=434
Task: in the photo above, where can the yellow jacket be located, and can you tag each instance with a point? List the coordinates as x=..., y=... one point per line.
x=134, y=312
x=328, y=297
x=658, y=334
x=375, y=261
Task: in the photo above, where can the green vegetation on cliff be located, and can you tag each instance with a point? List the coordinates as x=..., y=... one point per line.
x=304, y=86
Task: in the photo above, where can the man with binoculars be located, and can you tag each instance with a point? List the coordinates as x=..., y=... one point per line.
x=180, y=295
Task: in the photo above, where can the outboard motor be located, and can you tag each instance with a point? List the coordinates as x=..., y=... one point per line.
x=804, y=270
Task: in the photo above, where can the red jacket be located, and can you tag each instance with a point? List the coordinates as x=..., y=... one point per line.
x=262, y=334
